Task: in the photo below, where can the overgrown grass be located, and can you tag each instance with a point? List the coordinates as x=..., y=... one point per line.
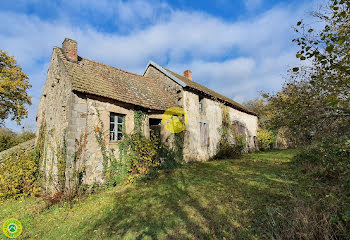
x=219, y=199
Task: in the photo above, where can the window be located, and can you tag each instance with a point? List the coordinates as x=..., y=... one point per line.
x=201, y=104
x=204, y=134
x=116, y=127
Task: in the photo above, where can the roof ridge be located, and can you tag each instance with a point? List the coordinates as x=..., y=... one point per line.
x=221, y=96
x=109, y=66
x=89, y=76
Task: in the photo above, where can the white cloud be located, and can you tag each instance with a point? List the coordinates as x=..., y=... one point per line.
x=234, y=58
x=252, y=4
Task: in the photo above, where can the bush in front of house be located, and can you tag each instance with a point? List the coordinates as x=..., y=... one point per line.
x=138, y=153
x=230, y=149
x=144, y=153
x=266, y=138
x=19, y=174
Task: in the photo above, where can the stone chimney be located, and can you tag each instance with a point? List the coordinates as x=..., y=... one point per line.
x=188, y=74
x=70, y=49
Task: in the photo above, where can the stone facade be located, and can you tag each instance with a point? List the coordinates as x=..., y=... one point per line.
x=210, y=114
x=54, y=114
x=70, y=118
x=174, y=89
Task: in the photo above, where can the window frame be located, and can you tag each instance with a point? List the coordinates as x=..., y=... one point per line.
x=201, y=104
x=118, y=120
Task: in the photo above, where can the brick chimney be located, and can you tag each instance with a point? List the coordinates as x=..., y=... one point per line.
x=70, y=49
x=188, y=74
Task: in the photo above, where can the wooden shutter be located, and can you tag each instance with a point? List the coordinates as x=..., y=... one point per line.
x=204, y=134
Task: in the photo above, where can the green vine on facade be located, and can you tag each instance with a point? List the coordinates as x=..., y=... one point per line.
x=231, y=144
x=80, y=155
x=138, y=154
x=99, y=134
x=40, y=150
x=139, y=118
x=61, y=155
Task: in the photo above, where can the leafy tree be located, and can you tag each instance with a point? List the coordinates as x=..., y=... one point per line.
x=315, y=102
x=9, y=138
x=13, y=86
x=260, y=107
x=266, y=139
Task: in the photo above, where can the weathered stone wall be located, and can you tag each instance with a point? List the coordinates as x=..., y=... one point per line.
x=212, y=114
x=72, y=122
x=174, y=89
x=251, y=126
x=85, y=122
x=71, y=117
x=189, y=101
x=54, y=111
x=193, y=151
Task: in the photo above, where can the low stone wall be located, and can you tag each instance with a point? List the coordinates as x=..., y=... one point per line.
x=29, y=145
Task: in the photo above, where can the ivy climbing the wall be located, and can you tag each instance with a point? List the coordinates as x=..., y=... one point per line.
x=231, y=144
x=40, y=148
x=137, y=151
x=61, y=154
x=114, y=170
x=138, y=155
x=170, y=153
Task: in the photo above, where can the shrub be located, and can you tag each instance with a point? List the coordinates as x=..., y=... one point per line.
x=19, y=174
x=229, y=149
x=25, y=136
x=140, y=153
x=266, y=138
x=328, y=159
x=117, y=171
x=170, y=155
x=9, y=139
x=231, y=144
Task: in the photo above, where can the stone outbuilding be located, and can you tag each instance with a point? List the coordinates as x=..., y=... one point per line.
x=80, y=94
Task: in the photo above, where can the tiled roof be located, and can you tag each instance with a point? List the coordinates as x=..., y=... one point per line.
x=95, y=78
x=185, y=82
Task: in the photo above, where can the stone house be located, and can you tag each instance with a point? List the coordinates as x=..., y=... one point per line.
x=80, y=93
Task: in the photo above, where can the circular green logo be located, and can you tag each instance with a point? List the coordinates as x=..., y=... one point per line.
x=12, y=228
x=174, y=119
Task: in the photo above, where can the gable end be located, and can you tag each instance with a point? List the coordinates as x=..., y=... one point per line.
x=161, y=69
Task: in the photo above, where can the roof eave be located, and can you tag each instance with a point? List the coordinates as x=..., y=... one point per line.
x=161, y=69
x=225, y=101
x=174, y=78
x=118, y=100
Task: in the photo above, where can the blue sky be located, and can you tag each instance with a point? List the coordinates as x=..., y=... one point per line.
x=237, y=48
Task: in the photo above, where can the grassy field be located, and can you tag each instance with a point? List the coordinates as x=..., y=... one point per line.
x=226, y=199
